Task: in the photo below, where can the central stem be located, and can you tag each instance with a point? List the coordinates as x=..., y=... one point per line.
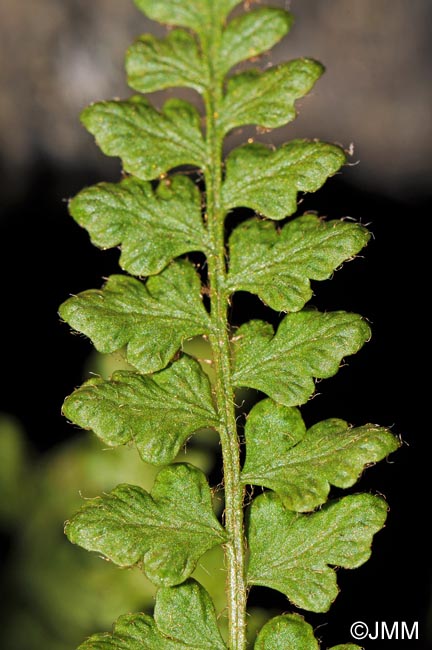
x=219, y=339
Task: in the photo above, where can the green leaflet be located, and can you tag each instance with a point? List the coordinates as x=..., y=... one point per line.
x=148, y=142
x=307, y=344
x=187, y=613
x=288, y=631
x=153, y=63
x=153, y=226
x=151, y=319
x=291, y=631
x=131, y=632
x=157, y=412
x=165, y=532
x=251, y=34
x=268, y=180
x=166, y=60
x=279, y=264
x=291, y=552
x=184, y=619
x=301, y=465
x=267, y=97
x=203, y=16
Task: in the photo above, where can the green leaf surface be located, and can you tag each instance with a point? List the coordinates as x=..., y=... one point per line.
x=156, y=412
x=131, y=632
x=165, y=532
x=184, y=619
x=152, y=226
x=149, y=142
x=288, y=631
x=154, y=63
x=278, y=265
x=291, y=631
x=202, y=16
x=268, y=180
x=187, y=613
x=307, y=344
x=291, y=553
x=251, y=34
x=151, y=319
x=267, y=98
x=301, y=465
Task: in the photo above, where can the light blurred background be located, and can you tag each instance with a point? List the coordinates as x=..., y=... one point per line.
x=56, y=56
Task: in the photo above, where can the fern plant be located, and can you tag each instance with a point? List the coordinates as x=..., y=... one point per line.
x=293, y=536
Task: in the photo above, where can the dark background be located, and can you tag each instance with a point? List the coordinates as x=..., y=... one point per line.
x=376, y=94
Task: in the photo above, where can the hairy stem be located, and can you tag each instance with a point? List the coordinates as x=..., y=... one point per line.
x=219, y=339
